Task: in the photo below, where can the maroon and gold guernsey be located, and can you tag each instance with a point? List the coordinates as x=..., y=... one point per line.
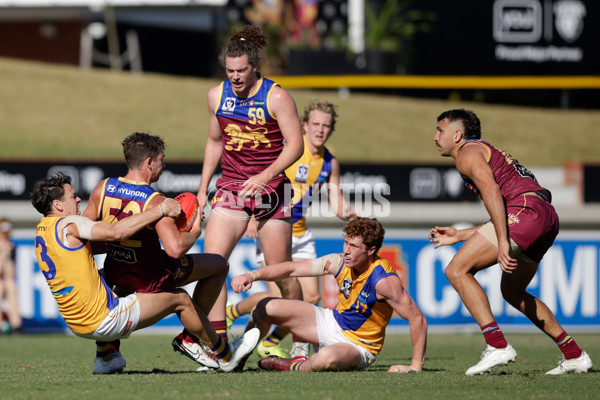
x=138, y=262
x=252, y=139
x=512, y=178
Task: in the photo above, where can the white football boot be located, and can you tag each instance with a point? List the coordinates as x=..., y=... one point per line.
x=578, y=365
x=241, y=348
x=493, y=358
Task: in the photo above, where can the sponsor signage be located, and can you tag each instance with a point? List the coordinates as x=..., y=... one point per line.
x=510, y=37
x=567, y=281
x=378, y=183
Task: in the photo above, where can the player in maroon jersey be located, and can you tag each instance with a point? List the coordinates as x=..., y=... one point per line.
x=140, y=264
x=255, y=133
x=522, y=228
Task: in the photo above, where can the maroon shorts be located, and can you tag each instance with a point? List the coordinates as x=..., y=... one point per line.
x=532, y=224
x=161, y=276
x=268, y=205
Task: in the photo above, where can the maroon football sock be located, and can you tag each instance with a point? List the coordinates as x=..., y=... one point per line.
x=494, y=336
x=567, y=345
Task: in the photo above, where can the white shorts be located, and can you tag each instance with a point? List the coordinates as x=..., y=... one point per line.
x=330, y=332
x=303, y=248
x=120, y=321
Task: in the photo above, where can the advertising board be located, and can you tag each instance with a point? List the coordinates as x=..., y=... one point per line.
x=568, y=281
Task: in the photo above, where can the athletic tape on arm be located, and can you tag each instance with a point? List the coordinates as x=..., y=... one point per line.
x=83, y=224
x=319, y=266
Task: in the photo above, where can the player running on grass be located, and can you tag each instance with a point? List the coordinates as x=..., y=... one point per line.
x=522, y=228
x=90, y=308
x=350, y=336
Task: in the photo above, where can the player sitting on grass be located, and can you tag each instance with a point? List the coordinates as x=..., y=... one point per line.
x=351, y=336
x=89, y=307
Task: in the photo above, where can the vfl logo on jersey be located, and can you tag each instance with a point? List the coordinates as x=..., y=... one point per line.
x=228, y=105
x=302, y=173
x=239, y=137
x=345, y=287
x=111, y=188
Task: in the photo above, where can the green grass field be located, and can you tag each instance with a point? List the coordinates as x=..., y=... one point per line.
x=59, y=367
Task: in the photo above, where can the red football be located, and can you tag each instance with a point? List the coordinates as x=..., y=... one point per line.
x=189, y=211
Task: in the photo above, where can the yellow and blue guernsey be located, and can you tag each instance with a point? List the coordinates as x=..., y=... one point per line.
x=83, y=298
x=361, y=316
x=307, y=175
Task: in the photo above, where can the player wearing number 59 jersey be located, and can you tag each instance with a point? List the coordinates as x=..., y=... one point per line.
x=252, y=138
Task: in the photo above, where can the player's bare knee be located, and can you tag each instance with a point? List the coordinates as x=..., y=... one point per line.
x=452, y=273
x=183, y=297
x=324, y=361
x=512, y=297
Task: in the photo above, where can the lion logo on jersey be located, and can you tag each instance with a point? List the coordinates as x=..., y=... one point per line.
x=239, y=137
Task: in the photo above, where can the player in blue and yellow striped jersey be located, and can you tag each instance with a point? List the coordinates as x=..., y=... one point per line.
x=350, y=336
x=88, y=305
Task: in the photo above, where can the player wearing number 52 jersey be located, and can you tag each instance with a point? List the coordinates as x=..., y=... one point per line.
x=139, y=263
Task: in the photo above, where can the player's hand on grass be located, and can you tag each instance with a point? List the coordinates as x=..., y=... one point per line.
x=403, y=369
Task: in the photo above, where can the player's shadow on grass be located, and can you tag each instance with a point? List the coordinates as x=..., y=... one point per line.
x=157, y=371
x=385, y=367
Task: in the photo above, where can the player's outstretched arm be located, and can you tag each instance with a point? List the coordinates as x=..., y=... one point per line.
x=391, y=290
x=128, y=226
x=447, y=235
x=273, y=272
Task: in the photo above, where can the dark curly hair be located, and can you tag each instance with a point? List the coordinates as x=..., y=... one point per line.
x=45, y=191
x=139, y=146
x=472, y=125
x=249, y=41
x=369, y=229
